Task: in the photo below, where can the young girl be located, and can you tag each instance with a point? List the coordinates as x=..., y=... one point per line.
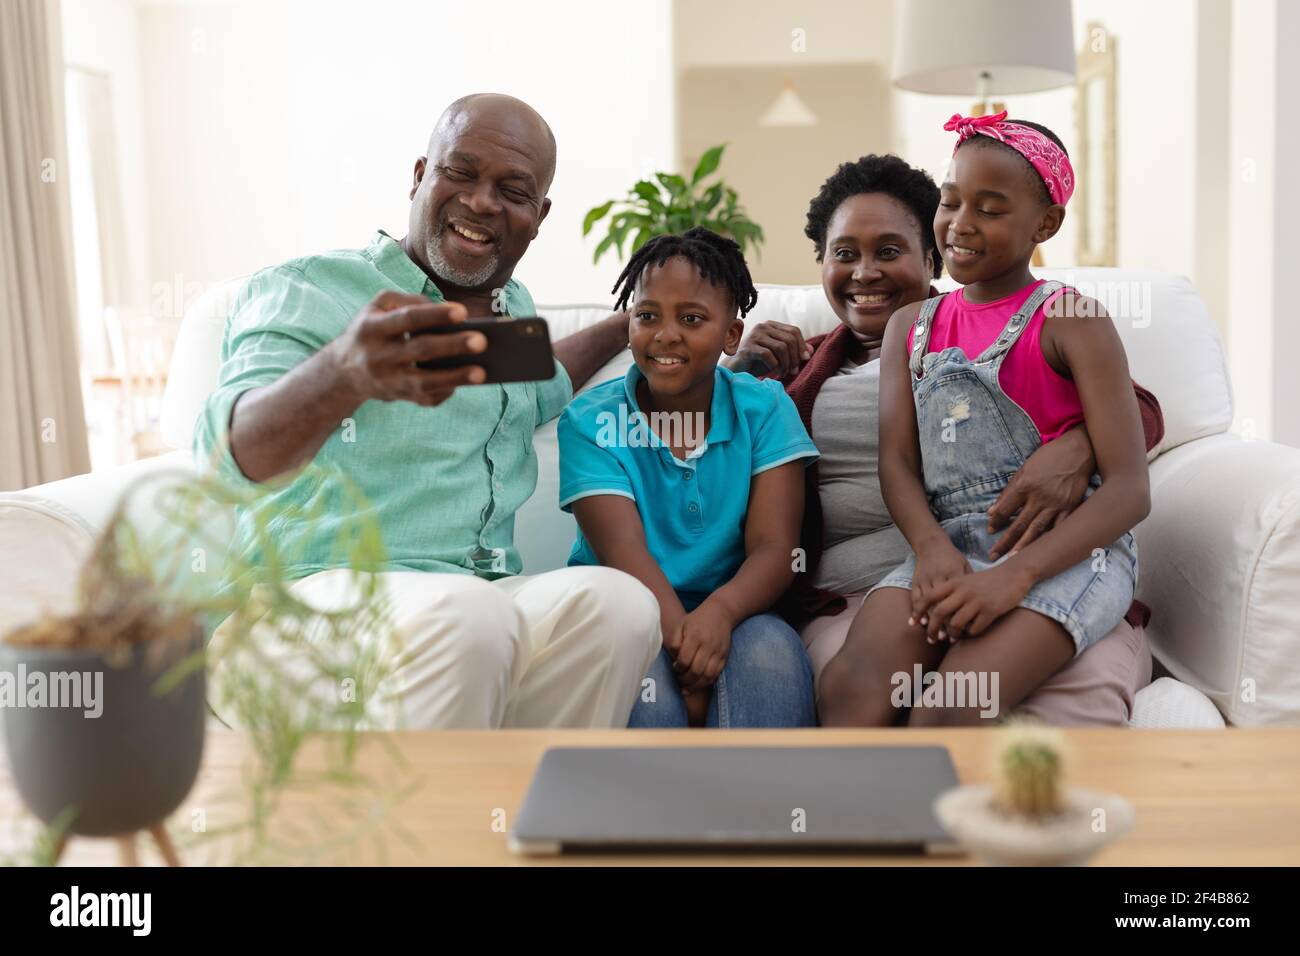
x=690, y=478
x=970, y=385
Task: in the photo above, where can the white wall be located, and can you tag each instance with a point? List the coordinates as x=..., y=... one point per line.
x=278, y=129
x=718, y=33
x=1206, y=137
x=1213, y=161
x=101, y=35
x=256, y=131
x=1264, y=202
x=1285, y=405
x=1252, y=138
x=733, y=57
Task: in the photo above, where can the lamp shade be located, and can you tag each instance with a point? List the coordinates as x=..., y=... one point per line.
x=943, y=47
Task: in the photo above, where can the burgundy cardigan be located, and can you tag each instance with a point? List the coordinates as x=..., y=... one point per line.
x=803, y=602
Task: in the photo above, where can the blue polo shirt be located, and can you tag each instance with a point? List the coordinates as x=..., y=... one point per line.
x=693, y=511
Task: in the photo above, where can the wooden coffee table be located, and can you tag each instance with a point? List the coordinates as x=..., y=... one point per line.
x=1202, y=797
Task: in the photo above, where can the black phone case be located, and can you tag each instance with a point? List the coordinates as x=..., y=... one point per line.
x=519, y=350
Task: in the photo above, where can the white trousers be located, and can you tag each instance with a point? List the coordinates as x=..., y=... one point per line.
x=567, y=648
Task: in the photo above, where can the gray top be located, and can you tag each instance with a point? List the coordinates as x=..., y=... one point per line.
x=860, y=544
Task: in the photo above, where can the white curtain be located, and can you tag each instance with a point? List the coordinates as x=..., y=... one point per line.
x=42, y=420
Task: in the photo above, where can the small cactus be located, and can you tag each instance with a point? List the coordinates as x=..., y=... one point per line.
x=1029, y=779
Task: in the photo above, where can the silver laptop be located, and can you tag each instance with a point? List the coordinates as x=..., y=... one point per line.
x=712, y=798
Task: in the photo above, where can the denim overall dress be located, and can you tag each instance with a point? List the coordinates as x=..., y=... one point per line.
x=973, y=439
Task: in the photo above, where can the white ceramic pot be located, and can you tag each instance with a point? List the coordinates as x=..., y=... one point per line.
x=1089, y=821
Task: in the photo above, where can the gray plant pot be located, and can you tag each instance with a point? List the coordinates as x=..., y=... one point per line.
x=122, y=771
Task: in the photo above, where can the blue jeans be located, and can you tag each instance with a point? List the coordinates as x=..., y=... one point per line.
x=767, y=682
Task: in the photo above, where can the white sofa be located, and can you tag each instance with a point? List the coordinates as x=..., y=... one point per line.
x=1220, y=552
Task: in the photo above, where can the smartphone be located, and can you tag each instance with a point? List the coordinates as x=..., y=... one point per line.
x=518, y=350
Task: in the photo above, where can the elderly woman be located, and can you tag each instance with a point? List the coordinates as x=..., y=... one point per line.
x=871, y=226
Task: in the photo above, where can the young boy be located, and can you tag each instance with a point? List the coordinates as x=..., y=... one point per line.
x=690, y=478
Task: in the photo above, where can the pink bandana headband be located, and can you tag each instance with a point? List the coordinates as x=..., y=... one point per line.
x=1048, y=159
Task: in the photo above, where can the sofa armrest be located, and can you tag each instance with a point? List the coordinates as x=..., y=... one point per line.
x=1219, y=565
x=46, y=533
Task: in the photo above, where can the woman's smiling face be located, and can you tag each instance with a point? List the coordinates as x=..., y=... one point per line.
x=875, y=262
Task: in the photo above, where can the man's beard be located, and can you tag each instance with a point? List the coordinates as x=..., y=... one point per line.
x=448, y=273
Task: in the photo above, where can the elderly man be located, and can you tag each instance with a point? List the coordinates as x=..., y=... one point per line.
x=318, y=364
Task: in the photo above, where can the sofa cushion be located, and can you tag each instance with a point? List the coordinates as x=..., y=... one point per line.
x=544, y=534
x=1174, y=349
x=54, y=542
x=1173, y=346
x=1219, y=566
x=196, y=361
x=1167, y=704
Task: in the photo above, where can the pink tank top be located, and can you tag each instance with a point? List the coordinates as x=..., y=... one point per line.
x=1051, y=400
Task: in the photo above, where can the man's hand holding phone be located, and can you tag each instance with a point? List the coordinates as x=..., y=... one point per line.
x=377, y=353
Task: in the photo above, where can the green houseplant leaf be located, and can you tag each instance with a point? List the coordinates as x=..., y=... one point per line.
x=712, y=196
x=595, y=215
x=708, y=163
x=675, y=185
x=649, y=192
x=667, y=203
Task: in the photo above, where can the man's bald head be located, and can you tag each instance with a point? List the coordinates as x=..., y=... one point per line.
x=479, y=196
x=506, y=114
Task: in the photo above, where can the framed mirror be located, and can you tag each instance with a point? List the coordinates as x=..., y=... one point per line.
x=1095, y=167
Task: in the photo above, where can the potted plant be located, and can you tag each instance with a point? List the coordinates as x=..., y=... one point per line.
x=105, y=707
x=160, y=580
x=668, y=203
x=1028, y=817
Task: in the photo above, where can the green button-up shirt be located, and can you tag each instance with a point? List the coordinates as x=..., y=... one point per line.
x=443, y=483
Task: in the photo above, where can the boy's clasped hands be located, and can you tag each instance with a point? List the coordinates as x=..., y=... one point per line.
x=698, y=643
